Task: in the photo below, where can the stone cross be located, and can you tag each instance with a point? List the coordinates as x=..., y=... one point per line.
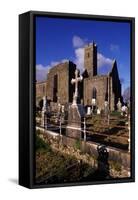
x=119, y=105
x=76, y=81
x=44, y=109
x=44, y=103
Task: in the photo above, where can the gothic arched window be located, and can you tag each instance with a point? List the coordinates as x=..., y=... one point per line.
x=94, y=93
x=55, y=87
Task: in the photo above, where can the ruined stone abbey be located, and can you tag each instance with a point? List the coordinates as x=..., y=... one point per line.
x=93, y=89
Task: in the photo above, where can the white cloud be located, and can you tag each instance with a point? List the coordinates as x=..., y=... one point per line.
x=79, y=58
x=77, y=41
x=103, y=61
x=42, y=71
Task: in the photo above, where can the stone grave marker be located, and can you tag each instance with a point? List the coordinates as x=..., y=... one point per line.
x=76, y=112
x=43, y=117
x=88, y=110
x=98, y=111
x=119, y=105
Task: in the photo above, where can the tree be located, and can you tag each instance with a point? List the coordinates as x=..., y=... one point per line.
x=126, y=95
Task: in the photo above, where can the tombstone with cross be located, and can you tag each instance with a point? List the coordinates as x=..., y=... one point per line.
x=44, y=109
x=76, y=81
x=76, y=111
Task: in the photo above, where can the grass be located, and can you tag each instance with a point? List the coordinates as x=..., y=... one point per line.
x=115, y=134
x=116, y=166
x=52, y=166
x=77, y=144
x=41, y=145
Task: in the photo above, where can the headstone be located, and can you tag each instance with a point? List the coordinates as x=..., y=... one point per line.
x=124, y=110
x=98, y=111
x=76, y=112
x=62, y=108
x=75, y=118
x=43, y=117
x=106, y=108
x=58, y=110
x=93, y=102
x=119, y=105
x=62, y=117
x=59, y=105
x=93, y=105
x=88, y=110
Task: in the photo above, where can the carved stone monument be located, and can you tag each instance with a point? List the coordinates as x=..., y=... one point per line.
x=124, y=111
x=119, y=105
x=88, y=110
x=43, y=117
x=93, y=102
x=98, y=111
x=76, y=112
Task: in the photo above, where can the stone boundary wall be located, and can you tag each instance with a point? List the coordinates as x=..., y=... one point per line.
x=115, y=155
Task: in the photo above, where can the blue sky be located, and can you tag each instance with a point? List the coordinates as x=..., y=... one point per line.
x=60, y=39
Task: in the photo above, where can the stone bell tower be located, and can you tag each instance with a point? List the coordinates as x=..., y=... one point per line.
x=90, y=59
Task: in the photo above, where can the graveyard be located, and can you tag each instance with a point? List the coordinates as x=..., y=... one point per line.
x=79, y=143
x=115, y=134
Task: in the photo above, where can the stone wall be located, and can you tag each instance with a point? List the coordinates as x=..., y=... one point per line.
x=90, y=59
x=98, y=82
x=58, y=84
x=64, y=71
x=40, y=89
x=115, y=155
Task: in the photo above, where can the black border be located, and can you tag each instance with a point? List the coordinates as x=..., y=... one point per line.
x=32, y=80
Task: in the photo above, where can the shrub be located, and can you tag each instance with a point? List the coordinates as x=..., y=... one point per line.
x=41, y=144
x=77, y=144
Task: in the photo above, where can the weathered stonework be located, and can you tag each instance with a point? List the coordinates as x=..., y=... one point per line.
x=58, y=87
x=100, y=87
x=75, y=119
x=100, y=84
x=61, y=89
x=41, y=89
x=90, y=59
